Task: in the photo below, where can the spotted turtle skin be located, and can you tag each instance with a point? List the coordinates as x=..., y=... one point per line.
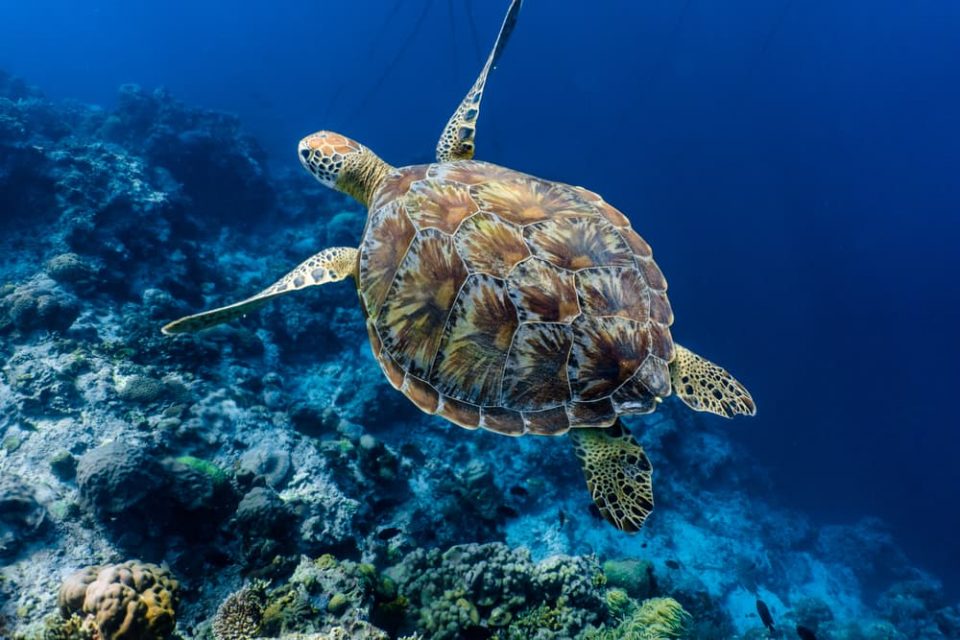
x=503, y=301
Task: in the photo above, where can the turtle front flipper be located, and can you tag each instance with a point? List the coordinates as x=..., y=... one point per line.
x=456, y=142
x=618, y=474
x=705, y=386
x=330, y=265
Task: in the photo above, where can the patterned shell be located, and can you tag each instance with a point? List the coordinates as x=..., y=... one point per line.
x=499, y=300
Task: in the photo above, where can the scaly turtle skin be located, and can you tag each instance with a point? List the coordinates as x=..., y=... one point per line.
x=499, y=300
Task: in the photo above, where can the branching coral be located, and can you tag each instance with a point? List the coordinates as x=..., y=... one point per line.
x=240, y=616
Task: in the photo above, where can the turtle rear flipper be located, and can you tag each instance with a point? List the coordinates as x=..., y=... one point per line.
x=705, y=386
x=618, y=473
x=330, y=265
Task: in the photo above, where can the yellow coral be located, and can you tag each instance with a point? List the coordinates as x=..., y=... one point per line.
x=660, y=618
x=654, y=619
x=128, y=601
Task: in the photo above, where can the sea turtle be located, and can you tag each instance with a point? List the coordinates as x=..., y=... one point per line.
x=500, y=300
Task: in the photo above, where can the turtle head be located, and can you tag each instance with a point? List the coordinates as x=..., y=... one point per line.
x=343, y=164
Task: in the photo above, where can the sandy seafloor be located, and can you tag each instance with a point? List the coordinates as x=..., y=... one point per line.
x=270, y=454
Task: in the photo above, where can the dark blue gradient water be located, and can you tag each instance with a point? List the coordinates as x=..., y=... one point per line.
x=796, y=166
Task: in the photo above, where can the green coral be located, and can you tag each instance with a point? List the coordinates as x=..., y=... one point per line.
x=338, y=603
x=216, y=474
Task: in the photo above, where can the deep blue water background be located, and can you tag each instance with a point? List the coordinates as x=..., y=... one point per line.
x=796, y=166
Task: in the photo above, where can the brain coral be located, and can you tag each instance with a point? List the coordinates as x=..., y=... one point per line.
x=128, y=601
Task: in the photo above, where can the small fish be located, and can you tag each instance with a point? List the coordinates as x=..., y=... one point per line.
x=672, y=564
x=389, y=532
x=519, y=491
x=805, y=634
x=562, y=517
x=765, y=616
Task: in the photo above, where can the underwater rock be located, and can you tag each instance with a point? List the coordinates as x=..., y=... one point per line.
x=140, y=498
x=22, y=519
x=128, y=601
x=264, y=523
x=44, y=379
x=63, y=464
x=118, y=481
x=269, y=463
x=313, y=421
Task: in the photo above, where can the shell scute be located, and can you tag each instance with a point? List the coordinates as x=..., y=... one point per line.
x=384, y=247
x=505, y=421
x=551, y=422
x=578, y=243
x=633, y=396
x=543, y=293
x=595, y=413
x=605, y=353
x=459, y=413
x=470, y=172
x=421, y=393
x=635, y=242
x=489, y=245
x=654, y=373
x=397, y=183
x=613, y=216
x=653, y=275
x=415, y=311
x=439, y=205
x=470, y=362
x=660, y=310
x=613, y=291
x=525, y=200
x=535, y=376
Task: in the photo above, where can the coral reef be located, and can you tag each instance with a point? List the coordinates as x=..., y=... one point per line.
x=271, y=452
x=240, y=616
x=492, y=586
x=128, y=601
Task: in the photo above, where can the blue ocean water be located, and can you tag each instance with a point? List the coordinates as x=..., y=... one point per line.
x=794, y=165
